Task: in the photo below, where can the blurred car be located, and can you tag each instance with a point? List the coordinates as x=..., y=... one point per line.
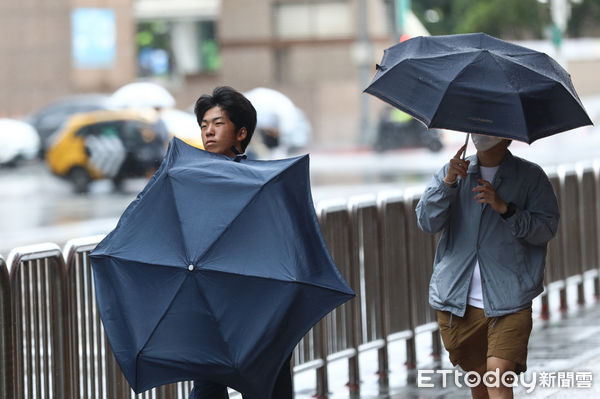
x=397, y=129
x=107, y=144
x=18, y=142
x=49, y=118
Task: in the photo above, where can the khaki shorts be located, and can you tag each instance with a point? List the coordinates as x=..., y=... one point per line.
x=471, y=339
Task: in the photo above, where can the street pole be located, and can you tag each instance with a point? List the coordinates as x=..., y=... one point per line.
x=403, y=7
x=397, y=11
x=392, y=20
x=362, y=57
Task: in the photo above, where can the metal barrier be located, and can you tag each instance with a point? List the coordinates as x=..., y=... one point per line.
x=569, y=210
x=421, y=251
x=41, y=322
x=554, y=271
x=50, y=328
x=395, y=273
x=99, y=375
x=6, y=332
x=343, y=329
x=365, y=255
x=588, y=216
x=558, y=271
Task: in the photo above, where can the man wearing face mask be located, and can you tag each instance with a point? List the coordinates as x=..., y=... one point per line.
x=496, y=213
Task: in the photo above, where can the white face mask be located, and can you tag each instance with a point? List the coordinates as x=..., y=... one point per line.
x=483, y=142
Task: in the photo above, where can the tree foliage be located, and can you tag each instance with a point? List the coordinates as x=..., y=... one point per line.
x=584, y=19
x=509, y=19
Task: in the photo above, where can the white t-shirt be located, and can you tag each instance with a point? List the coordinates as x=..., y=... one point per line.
x=475, y=293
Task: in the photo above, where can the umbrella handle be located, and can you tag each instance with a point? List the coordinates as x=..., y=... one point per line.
x=466, y=143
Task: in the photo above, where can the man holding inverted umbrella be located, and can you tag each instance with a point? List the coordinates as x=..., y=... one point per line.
x=218, y=268
x=496, y=212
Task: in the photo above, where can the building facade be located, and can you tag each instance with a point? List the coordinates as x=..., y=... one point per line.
x=320, y=53
x=38, y=61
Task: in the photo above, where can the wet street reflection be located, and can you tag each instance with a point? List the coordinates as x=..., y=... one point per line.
x=36, y=206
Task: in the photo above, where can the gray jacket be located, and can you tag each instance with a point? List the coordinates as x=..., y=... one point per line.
x=511, y=252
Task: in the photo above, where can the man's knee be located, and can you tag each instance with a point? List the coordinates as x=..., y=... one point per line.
x=500, y=377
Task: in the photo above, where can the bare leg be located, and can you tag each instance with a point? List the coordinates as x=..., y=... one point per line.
x=501, y=391
x=480, y=391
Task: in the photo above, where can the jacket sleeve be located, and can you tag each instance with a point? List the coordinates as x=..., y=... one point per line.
x=433, y=209
x=538, y=222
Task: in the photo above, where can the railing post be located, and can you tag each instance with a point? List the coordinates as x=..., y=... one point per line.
x=556, y=267
x=6, y=335
x=322, y=379
x=587, y=207
x=341, y=337
x=572, y=238
x=393, y=238
x=39, y=298
x=421, y=252
x=355, y=283
x=87, y=334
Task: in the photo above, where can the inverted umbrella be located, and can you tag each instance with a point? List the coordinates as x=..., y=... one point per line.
x=476, y=83
x=215, y=272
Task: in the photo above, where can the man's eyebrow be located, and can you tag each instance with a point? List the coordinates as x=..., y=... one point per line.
x=213, y=119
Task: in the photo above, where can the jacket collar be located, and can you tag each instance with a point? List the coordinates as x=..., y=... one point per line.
x=507, y=167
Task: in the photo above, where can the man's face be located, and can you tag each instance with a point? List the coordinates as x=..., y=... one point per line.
x=219, y=134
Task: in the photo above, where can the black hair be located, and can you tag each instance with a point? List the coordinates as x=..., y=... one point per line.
x=238, y=108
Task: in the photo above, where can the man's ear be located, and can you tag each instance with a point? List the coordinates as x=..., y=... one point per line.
x=241, y=134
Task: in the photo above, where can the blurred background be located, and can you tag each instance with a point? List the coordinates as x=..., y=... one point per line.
x=92, y=91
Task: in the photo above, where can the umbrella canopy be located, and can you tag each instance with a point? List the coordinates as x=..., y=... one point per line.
x=215, y=272
x=276, y=111
x=476, y=83
x=142, y=95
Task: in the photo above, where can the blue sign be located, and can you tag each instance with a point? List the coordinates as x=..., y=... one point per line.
x=93, y=38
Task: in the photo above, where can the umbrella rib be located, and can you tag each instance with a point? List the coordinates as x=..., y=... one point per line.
x=441, y=98
x=156, y=327
x=494, y=57
x=208, y=305
x=309, y=283
x=143, y=261
x=403, y=107
x=523, y=65
x=179, y=221
x=246, y=206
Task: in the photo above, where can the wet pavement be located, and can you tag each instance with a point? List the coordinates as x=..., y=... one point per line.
x=563, y=361
x=36, y=206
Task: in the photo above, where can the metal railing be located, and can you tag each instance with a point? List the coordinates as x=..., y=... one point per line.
x=41, y=333
x=6, y=352
x=53, y=345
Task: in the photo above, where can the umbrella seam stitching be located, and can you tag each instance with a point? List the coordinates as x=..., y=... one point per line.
x=180, y=222
x=246, y=206
x=518, y=91
x=310, y=283
x=441, y=98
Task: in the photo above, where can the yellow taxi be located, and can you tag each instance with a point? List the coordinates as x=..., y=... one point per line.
x=113, y=144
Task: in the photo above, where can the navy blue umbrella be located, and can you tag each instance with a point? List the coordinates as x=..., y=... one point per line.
x=215, y=272
x=476, y=83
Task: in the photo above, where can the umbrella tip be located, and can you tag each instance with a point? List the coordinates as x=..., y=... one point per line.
x=191, y=267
